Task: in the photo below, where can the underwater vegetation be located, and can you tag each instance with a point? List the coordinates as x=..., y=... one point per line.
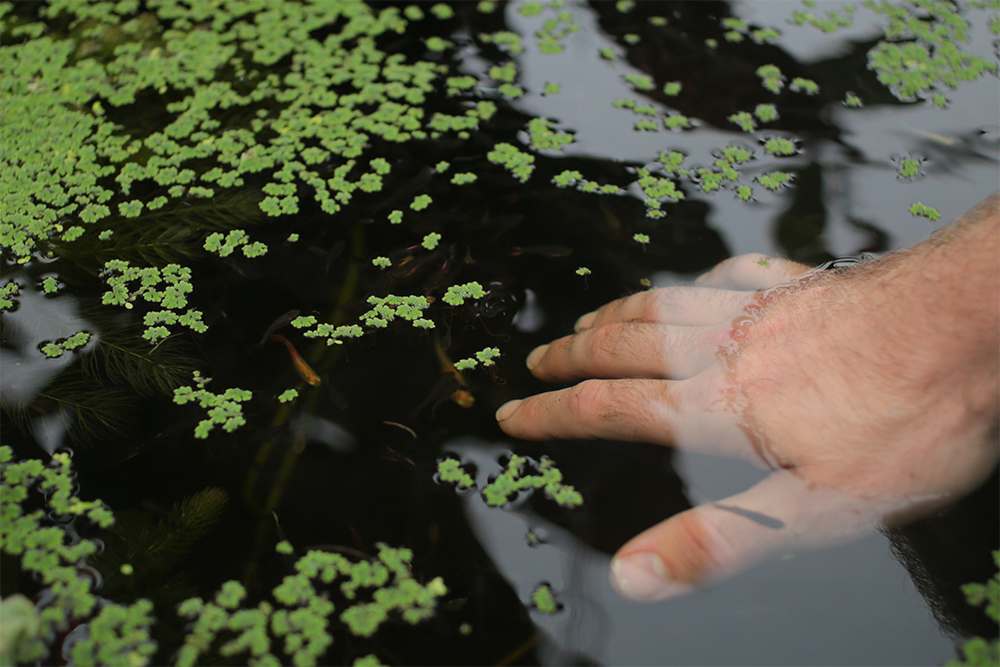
x=184, y=183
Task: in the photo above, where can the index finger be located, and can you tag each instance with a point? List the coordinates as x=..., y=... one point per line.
x=676, y=413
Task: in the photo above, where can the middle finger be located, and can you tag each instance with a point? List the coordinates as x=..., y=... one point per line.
x=628, y=350
x=681, y=305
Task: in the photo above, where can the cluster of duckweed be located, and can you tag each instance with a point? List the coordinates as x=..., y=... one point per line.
x=924, y=211
x=978, y=650
x=519, y=163
x=231, y=119
x=572, y=177
x=55, y=349
x=485, y=357
x=550, y=36
x=921, y=58
x=516, y=478
x=765, y=113
x=543, y=599
x=830, y=22
x=457, y=294
x=297, y=624
x=224, y=410
x=737, y=30
x=120, y=634
x=167, y=287
x=909, y=168
x=44, y=543
x=450, y=471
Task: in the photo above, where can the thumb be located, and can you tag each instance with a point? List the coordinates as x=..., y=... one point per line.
x=782, y=513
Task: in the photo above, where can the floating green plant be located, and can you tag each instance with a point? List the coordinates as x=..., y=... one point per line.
x=297, y=623
x=46, y=551
x=807, y=86
x=224, y=246
x=919, y=57
x=464, y=178
x=924, y=211
x=771, y=78
x=544, y=137
x=168, y=287
x=451, y=471
x=457, y=294
x=485, y=357
x=640, y=82
x=431, y=241
x=57, y=348
x=767, y=113
x=506, y=40
x=978, y=650
x=909, y=168
x=514, y=479
x=225, y=409
x=544, y=600
x=519, y=163
x=779, y=146
x=774, y=180
x=744, y=119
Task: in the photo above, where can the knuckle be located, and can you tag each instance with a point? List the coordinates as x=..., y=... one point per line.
x=700, y=558
x=609, y=340
x=664, y=301
x=587, y=398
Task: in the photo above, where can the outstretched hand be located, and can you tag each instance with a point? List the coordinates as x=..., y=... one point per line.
x=871, y=392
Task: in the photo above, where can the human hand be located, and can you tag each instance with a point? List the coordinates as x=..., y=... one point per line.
x=870, y=392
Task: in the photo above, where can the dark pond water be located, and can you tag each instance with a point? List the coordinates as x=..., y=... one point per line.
x=336, y=468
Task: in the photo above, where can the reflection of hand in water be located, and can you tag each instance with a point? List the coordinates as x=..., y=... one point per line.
x=872, y=392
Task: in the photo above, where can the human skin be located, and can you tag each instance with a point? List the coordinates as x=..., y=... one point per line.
x=872, y=393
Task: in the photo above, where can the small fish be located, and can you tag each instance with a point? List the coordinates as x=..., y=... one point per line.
x=462, y=396
x=277, y=324
x=307, y=373
x=543, y=250
x=933, y=136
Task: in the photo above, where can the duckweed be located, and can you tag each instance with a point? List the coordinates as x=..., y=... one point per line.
x=514, y=479
x=922, y=210
x=225, y=409
x=544, y=600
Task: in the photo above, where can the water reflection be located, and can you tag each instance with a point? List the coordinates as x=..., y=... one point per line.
x=24, y=370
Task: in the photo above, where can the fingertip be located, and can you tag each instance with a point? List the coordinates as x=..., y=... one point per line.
x=642, y=577
x=585, y=321
x=507, y=409
x=536, y=356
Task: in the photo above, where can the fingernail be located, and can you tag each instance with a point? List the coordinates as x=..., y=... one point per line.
x=641, y=576
x=507, y=409
x=585, y=321
x=536, y=356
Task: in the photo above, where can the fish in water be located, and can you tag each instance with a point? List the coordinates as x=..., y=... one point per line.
x=277, y=324
x=307, y=373
x=462, y=396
